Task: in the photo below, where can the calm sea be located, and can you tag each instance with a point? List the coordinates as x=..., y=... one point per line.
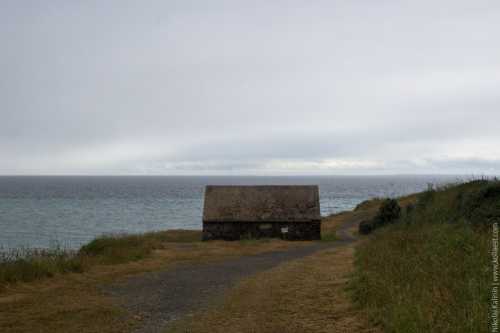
x=69, y=211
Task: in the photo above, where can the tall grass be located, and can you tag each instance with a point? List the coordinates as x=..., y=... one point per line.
x=425, y=278
x=119, y=249
x=25, y=265
x=431, y=271
x=31, y=264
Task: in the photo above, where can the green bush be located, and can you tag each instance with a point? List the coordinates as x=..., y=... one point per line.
x=389, y=212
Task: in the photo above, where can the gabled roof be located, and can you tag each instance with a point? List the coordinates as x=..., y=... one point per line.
x=261, y=203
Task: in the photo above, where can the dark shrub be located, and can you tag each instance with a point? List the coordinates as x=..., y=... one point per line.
x=365, y=227
x=388, y=212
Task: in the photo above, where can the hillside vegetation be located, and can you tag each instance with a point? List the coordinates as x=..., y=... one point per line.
x=429, y=269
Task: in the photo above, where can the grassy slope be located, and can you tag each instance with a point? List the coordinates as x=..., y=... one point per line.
x=430, y=272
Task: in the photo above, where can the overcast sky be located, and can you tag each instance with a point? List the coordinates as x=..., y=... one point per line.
x=250, y=87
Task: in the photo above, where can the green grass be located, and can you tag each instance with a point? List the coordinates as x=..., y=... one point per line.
x=431, y=270
x=125, y=248
x=425, y=278
x=25, y=265
x=328, y=237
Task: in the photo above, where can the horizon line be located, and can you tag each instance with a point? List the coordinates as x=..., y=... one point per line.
x=255, y=175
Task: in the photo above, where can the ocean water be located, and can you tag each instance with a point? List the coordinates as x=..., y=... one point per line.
x=46, y=211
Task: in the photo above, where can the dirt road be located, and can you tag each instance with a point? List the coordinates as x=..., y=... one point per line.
x=158, y=298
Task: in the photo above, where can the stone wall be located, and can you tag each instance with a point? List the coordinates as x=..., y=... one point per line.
x=251, y=230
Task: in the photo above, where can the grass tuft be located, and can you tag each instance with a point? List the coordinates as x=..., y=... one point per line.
x=25, y=265
x=29, y=265
x=118, y=249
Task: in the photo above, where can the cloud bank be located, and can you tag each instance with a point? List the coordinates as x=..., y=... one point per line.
x=237, y=87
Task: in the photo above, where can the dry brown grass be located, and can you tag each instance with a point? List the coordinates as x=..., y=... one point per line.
x=306, y=295
x=64, y=304
x=73, y=303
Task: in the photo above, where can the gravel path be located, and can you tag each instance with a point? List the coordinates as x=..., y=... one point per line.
x=160, y=297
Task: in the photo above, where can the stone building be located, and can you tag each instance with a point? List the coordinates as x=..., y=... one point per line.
x=240, y=212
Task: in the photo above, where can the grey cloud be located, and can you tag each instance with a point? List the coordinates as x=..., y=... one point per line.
x=132, y=87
